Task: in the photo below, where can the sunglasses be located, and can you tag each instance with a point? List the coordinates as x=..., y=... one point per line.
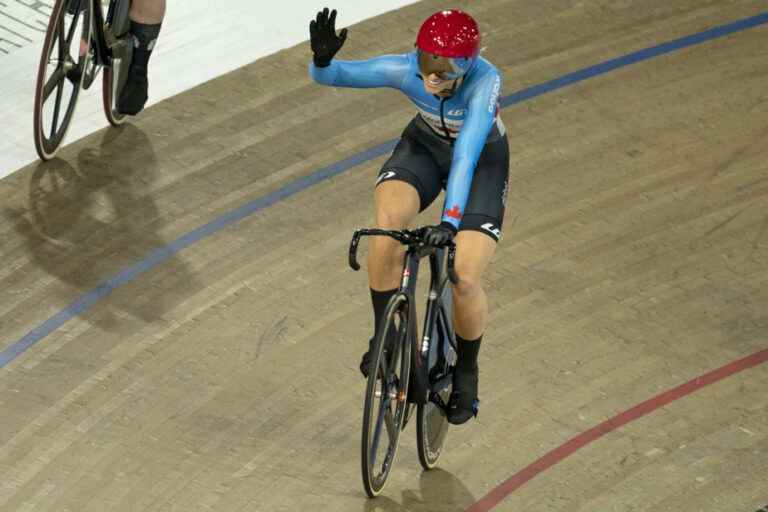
x=443, y=67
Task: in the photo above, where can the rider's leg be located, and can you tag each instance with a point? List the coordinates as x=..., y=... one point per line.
x=408, y=182
x=474, y=251
x=149, y=12
x=146, y=19
x=396, y=205
x=479, y=232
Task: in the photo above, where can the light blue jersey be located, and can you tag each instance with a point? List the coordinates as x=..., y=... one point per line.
x=467, y=117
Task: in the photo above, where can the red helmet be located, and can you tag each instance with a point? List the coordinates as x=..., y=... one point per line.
x=452, y=34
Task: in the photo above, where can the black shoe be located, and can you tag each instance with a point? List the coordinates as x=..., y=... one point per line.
x=365, y=361
x=463, y=404
x=133, y=97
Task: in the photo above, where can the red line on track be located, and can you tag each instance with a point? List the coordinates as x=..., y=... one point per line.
x=517, y=480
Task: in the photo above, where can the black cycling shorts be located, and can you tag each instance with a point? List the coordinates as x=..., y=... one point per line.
x=423, y=159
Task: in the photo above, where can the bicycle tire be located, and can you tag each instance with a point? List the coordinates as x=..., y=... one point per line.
x=431, y=430
x=65, y=71
x=392, y=390
x=110, y=87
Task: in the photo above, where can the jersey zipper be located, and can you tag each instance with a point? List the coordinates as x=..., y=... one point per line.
x=442, y=110
x=442, y=120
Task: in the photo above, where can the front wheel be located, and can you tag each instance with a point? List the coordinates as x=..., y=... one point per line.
x=386, y=395
x=64, y=59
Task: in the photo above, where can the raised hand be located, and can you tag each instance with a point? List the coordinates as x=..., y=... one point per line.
x=325, y=43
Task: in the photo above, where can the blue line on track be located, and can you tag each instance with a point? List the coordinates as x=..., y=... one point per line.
x=164, y=253
x=633, y=58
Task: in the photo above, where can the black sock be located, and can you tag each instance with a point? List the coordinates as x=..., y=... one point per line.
x=380, y=301
x=144, y=39
x=467, y=351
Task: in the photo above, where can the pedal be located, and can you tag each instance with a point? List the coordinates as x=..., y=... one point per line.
x=438, y=400
x=443, y=385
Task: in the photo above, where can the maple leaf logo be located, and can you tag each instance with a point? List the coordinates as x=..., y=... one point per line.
x=454, y=213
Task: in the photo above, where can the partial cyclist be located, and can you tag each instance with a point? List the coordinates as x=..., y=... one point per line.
x=146, y=18
x=456, y=141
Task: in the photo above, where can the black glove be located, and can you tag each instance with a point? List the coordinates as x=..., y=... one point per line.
x=439, y=235
x=325, y=42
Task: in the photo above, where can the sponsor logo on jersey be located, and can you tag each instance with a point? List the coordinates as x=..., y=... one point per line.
x=505, y=194
x=457, y=112
x=491, y=228
x=385, y=176
x=493, y=104
x=453, y=125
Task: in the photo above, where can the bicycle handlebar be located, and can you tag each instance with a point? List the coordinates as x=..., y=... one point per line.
x=405, y=237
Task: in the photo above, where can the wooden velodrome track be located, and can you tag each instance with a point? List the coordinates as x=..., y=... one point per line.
x=221, y=372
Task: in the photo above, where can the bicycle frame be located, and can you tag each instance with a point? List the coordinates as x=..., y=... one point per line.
x=109, y=30
x=437, y=326
x=438, y=323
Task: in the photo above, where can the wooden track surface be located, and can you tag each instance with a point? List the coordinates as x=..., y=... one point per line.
x=634, y=258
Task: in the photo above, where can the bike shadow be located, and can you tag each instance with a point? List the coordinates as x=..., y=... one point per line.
x=86, y=221
x=439, y=491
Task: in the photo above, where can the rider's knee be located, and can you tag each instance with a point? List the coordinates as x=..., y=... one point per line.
x=469, y=283
x=391, y=219
x=385, y=249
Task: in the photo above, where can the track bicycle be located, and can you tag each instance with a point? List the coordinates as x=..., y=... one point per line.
x=406, y=370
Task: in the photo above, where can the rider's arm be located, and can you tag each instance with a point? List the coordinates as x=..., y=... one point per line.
x=383, y=71
x=481, y=114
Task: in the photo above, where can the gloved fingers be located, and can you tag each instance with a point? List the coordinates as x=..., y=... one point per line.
x=332, y=22
x=318, y=22
x=342, y=37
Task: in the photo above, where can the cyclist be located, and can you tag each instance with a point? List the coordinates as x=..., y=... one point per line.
x=456, y=141
x=146, y=19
